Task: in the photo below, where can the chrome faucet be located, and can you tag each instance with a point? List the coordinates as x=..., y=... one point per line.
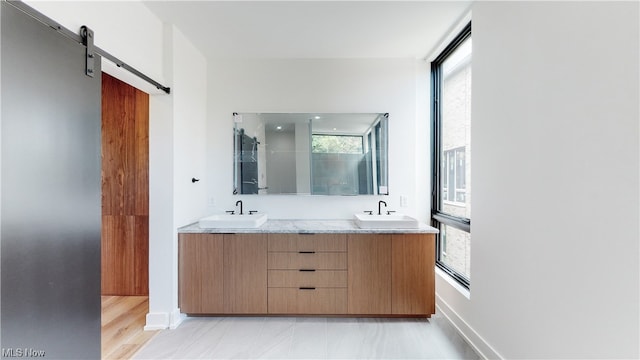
x=240, y=203
x=379, y=208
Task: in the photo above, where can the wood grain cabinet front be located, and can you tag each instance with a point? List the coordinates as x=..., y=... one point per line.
x=308, y=301
x=391, y=274
x=369, y=274
x=200, y=273
x=322, y=274
x=222, y=274
x=307, y=274
x=307, y=260
x=245, y=273
x=307, y=242
x=307, y=278
x=413, y=274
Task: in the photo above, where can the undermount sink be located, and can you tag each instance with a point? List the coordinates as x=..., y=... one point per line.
x=233, y=221
x=393, y=221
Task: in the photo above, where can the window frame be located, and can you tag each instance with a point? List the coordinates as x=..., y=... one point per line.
x=438, y=217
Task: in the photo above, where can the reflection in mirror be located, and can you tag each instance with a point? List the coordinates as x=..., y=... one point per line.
x=310, y=153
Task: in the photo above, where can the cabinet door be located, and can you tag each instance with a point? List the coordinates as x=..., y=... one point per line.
x=245, y=273
x=413, y=274
x=200, y=273
x=369, y=272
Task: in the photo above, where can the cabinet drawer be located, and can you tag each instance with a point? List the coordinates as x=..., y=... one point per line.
x=316, y=260
x=308, y=242
x=307, y=301
x=316, y=278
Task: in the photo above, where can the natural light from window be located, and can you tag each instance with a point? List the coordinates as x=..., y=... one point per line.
x=455, y=157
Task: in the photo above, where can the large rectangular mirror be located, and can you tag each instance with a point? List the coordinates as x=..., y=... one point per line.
x=310, y=153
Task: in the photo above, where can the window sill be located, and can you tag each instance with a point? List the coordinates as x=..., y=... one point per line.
x=446, y=277
x=454, y=203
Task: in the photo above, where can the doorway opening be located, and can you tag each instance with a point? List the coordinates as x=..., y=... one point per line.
x=125, y=218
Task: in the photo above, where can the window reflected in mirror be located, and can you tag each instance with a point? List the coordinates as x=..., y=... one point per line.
x=310, y=153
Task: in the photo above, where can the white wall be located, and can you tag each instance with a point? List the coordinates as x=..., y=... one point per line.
x=190, y=117
x=177, y=126
x=181, y=144
x=327, y=85
x=126, y=29
x=161, y=203
x=555, y=136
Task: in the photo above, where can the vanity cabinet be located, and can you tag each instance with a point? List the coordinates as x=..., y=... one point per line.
x=412, y=274
x=350, y=274
x=222, y=273
x=245, y=273
x=307, y=273
x=391, y=274
x=369, y=274
x=200, y=273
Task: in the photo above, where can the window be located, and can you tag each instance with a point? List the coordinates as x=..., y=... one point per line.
x=336, y=144
x=338, y=165
x=453, y=176
x=451, y=129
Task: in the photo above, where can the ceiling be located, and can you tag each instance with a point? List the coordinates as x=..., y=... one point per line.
x=321, y=123
x=312, y=29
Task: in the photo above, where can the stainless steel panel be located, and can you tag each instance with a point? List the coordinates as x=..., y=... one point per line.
x=50, y=193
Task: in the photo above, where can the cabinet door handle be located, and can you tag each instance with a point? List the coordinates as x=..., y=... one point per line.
x=307, y=270
x=307, y=288
x=306, y=252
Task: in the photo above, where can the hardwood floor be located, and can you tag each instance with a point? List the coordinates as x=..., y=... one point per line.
x=123, y=319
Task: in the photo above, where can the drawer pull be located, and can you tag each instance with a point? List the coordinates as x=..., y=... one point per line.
x=306, y=252
x=307, y=270
x=307, y=288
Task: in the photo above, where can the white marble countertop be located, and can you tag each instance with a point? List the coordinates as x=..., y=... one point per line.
x=309, y=226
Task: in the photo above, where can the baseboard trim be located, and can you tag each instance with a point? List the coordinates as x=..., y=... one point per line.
x=156, y=321
x=176, y=319
x=163, y=320
x=477, y=342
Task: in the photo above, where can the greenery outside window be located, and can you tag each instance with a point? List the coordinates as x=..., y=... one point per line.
x=336, y=144
x=451, y=156
x=340, y=164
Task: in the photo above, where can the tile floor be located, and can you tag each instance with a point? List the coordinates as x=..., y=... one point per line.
x=308, y=338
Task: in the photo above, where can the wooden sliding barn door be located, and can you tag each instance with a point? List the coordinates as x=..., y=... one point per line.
x=125, y=189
